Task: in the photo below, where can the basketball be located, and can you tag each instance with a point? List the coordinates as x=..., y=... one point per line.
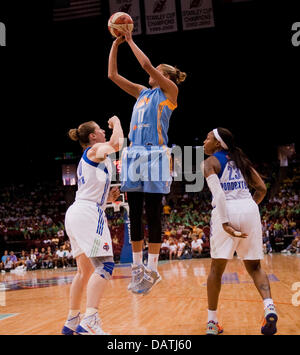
x=120, y=22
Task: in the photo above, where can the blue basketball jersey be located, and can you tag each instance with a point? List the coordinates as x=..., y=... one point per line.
x=150, y=118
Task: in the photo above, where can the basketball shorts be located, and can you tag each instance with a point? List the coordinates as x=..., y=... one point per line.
x=87, y=228
x=244, y=217
x=146, y=169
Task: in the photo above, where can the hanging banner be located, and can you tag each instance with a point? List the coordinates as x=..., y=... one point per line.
x=160, y=16
x=197, y=14
x=132, y=8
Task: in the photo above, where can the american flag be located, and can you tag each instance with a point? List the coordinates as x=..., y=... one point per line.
x=77, y=9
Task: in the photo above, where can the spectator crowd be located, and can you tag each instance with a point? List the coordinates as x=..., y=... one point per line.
x=45, y=258
x=35, y=216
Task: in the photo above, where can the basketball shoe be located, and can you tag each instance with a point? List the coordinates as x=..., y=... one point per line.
x=270, y=320
x=90, y=325
x=213, y=328
x=150, y=279
x=71, y=325
x=137, y=274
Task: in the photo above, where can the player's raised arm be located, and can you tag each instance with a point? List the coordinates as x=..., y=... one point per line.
x=99, y=151
x=164, y=82
x=113, y=74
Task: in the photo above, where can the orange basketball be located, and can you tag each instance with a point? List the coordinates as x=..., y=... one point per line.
x=120, y=22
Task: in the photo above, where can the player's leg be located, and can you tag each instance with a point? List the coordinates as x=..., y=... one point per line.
x=153, y=207
x=103, y=268
x=213, y=291
x=262, y=284
x=84, y=271
x=251, y=251
x=136, y=202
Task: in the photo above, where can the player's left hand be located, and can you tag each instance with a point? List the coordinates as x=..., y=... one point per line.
x=127, y=35
x=114, y=194
x=112, y=121
x=234, y=233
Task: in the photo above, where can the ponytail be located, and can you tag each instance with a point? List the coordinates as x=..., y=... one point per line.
x=82, y=133
x=74, y=134
x=236, y=155
x=174, y=73
x=242, y=162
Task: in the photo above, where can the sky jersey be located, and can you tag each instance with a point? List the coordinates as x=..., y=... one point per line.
x=150, y=118
x=231, y=179
x=93, y=180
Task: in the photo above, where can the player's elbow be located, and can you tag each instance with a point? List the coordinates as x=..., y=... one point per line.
x=117, y=144
x=146, y=65
x=262, y=190
x=112, y=76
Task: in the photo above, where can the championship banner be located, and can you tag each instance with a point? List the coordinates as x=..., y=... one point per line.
x=65, y=10
x=160, y=16
x=235, y=0
x=132, y=8
x=197, y=14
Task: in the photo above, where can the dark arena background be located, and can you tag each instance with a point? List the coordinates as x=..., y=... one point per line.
x=242, y=64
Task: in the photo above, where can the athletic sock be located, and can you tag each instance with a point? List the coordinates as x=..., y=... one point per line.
x=268, y=301
x=73, y=313
x=137, y=258
x=89, y=311
x=212, y=315
x=153, y=261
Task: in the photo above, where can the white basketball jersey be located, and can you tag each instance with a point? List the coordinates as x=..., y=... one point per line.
x=93, y=180
x=231, y=179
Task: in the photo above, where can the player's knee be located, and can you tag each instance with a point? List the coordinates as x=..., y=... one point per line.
x=104, y=266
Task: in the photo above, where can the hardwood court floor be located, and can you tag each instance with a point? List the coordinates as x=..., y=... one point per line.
x=37, y=302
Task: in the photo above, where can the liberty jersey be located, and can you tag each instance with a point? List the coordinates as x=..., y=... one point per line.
x=150, y=118
x=231, y=179
x=93, y=180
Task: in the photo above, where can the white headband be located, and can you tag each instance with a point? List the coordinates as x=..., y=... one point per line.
x=216, y=134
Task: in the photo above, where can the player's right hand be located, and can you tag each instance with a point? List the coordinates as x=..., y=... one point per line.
x=112, y=121
x=234, y=233
x=127, y=36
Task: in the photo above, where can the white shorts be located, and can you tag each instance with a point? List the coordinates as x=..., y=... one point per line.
x=243, y=216
x=87, y=229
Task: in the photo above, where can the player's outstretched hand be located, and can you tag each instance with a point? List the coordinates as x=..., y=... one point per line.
x=112, y=121
x=114, y=194
x=119, y=40
x=234, y=233
x=127, y=35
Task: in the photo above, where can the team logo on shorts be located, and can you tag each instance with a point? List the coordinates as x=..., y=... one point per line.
x=106, y=247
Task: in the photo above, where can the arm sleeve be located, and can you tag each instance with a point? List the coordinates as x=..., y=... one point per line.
x=213, y=183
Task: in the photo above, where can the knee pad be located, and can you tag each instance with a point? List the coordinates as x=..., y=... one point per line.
x=104, y=266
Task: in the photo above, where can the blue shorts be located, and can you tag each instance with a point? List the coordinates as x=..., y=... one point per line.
x=146, y=169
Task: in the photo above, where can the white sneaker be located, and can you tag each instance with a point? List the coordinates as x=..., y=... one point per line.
x=71, y=325
x=150, y=279
x=137, y=274
x=90, y=325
